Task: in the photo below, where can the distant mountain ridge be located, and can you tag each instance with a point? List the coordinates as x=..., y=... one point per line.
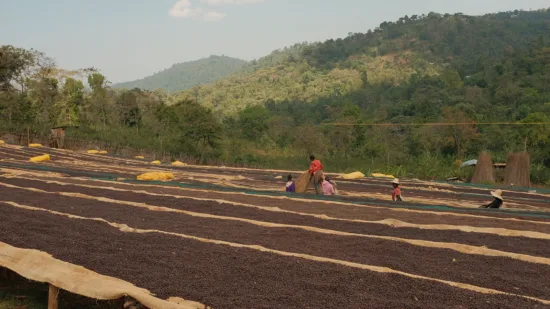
x=182, y=76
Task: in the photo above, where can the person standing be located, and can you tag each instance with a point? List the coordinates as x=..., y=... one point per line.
x=316, y=172
x=396, y=195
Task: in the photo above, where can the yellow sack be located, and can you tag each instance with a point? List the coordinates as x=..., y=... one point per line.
x=355, y=175
x=380, y=175
x=156, y=162
x=93, y=151
x=42, y=158
x=178, y=163
x=103, y=152
x=2, y=142
x=35, y=145
x=162, y=176
x=139, y=157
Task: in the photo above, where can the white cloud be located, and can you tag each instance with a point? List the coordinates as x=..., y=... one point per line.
x=225, y=2
x=185, y=9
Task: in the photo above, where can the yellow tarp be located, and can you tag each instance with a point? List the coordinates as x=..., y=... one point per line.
x=380, y=175
x=93, y=151
x=139, y=157
x=156, y=162
x=159, y=176
x=35, y=145
x=41, y=267
x=2, y=142
x=42, y=158
x=355, y=175
x=103, y=152
x=178, y=163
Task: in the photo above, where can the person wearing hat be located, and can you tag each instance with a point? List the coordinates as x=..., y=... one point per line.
x=497, y=203
x=396, y=195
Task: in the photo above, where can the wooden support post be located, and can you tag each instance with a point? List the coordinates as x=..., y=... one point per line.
x=53, y=300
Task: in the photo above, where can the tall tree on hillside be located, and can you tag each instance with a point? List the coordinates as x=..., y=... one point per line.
x=44, y=93
x=462, y=132
x=128, y=108
x=15, y=65
x=536, y=131
x=253, y=122
x=99, y=104
x=199, y=131
x=71, y=103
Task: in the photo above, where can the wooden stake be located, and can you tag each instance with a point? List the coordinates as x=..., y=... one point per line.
x=53, y=300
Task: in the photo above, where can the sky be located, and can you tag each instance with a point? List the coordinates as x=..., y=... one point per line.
x=130, y=39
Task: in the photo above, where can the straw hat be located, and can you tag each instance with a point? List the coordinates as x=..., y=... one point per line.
x=497, y=194
x=395, y=181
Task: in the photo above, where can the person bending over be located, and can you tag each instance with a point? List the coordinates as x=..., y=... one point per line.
x=315, y=172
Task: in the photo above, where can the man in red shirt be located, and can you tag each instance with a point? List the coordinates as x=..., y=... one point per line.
x=396, y=195
x=315, y=172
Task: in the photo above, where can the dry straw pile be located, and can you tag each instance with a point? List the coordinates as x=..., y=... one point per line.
x=484, y=172
x=518, y=170
x=302, y=183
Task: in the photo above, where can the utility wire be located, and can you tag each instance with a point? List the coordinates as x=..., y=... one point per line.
x=435, y=124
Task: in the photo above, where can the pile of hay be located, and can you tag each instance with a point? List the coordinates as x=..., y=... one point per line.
x=484, y=172
x=518, y=170
x=302, y=183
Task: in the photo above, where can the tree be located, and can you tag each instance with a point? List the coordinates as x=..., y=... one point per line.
x=99, y=105
x=535, y=131
x=199, y=131
x=13, y=62
x=69, y=107
x=253, y=122
x=461, y=132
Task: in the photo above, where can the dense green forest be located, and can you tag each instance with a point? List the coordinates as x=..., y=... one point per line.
x=328, y=98
x=186, y=75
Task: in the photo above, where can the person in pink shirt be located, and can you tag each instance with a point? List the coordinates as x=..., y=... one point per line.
x=328, y=189
x=396, y=195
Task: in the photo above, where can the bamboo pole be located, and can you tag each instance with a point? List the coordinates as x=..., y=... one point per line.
x=53, y=300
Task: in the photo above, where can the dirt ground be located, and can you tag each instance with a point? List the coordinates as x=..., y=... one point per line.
x=228, y=238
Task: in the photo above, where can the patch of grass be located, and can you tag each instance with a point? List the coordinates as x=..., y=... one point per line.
x=17, y=292
x=23, y=295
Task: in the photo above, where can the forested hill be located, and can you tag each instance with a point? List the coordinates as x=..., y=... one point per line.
x=459, y=49
x=185, y=75
x=365, y=102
